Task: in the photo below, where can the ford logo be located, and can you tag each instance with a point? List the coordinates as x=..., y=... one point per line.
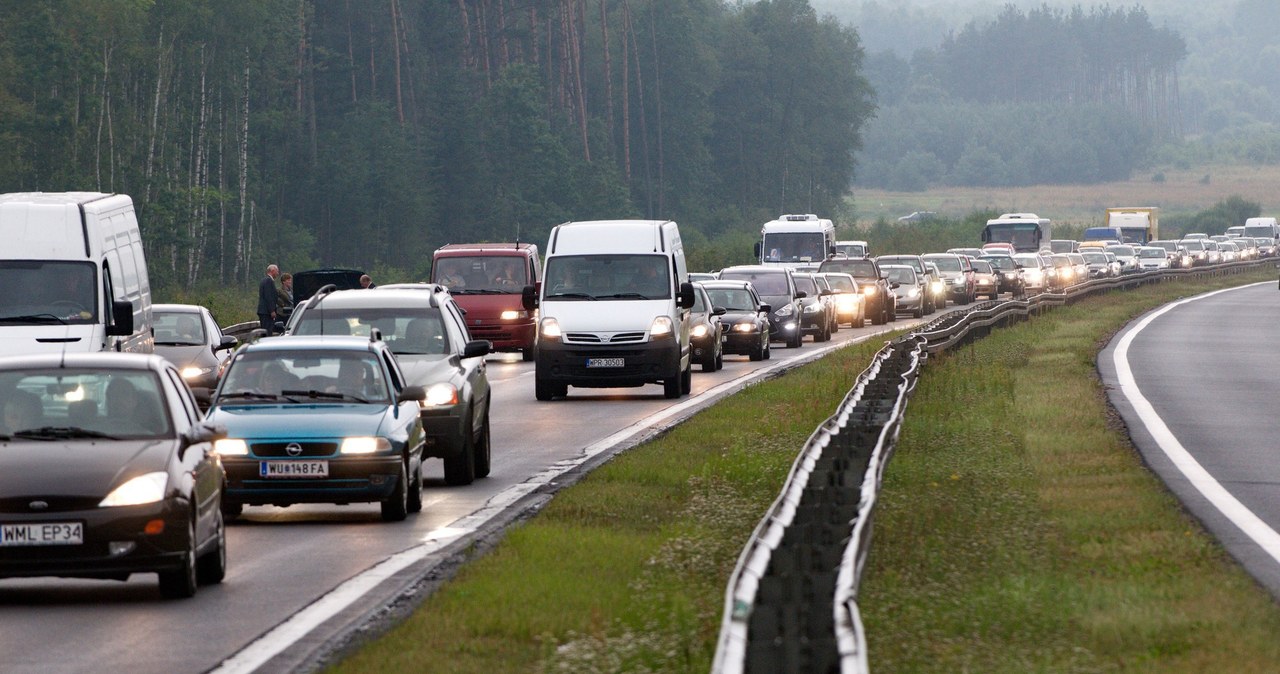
x=38, y=505
x=293, y=449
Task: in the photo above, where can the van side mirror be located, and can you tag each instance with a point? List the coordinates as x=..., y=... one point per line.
x=529, y=298
x=121, y=318
x=757, y=250
x=412, y=393
x=685, y=299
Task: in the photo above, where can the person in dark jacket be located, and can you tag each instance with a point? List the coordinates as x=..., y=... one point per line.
x=267, y=299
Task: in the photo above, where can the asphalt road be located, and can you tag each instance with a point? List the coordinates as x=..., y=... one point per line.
x=1197, y=383
x=298, y=576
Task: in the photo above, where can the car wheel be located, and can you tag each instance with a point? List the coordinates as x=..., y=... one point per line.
x=415, y=492
x=720, y=361
x=794, y=341
x=526, y=355
x=460, y=469
x=212, y=565
x=543, y=389
x=757, y=353
x=396, y=507
x=709, y=362
x=878, y=318
x=230, y=510
x=835, y=325
x=686, y=381
x=768, y=351
x=181, y=583
x=483, y=447
x=918, y=312
x=671, y=387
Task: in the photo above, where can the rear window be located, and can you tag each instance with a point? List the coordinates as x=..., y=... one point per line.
x=407, y=331
x=765, y=282
x=946, y=262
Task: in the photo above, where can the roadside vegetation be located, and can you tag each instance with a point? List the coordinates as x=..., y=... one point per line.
x=1018, y=531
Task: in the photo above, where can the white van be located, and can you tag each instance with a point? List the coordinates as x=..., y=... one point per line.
x=72, y=274
x=614, y=308
x=1262, y=228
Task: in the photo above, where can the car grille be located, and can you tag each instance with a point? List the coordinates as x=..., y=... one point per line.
x=493, y=333
x=603, y=338
x=281, y=449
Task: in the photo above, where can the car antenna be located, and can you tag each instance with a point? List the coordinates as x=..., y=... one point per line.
x=320, y=295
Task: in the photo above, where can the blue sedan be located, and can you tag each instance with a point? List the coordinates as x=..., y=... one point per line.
x=319, y=420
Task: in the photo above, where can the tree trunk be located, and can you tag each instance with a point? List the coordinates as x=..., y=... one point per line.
x=241, y=268
x=395, y=42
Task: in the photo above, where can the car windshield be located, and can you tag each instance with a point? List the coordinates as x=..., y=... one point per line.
x=1123, y=251
x=40, y=291
x=732, y=299
x=861, y=268
x=178, y=328
x=841, y=283
x=1030, y=261
x=805, y=284
x=981, y=266
x=304, y=376
x=946, y=262
x=607, y=277
x=1192, y=244
x=903, y=275
x=766, y=282
x=794, y=246
x=1001, y=262
x=1169, y=246
x=56, y=404
x=481, y=274
x=1095, y=258
x=909, y=260
x=408, y=331
x=1158, y=253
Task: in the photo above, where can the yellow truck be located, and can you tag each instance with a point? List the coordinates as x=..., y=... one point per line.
x=1128, y=225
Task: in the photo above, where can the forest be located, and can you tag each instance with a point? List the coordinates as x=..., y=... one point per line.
x=366, y=133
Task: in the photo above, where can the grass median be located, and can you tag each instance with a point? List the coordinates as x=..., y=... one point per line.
x=999, y=546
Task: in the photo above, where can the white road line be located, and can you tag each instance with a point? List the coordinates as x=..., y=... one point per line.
x=300, y=624
x=1231, y=508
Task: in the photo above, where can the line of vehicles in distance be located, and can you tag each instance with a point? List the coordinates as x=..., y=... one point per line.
x=131, y=433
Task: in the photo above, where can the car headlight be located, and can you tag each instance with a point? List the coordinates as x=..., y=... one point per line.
x=661, y=327
x=744, y=327
x=699, y=330
x=231, y=447
x=812, y=308
x=512, y=314
x=147, y=488
x=365, y=445
x=193, y=372
x=914, y=292
x=786, y=310
x=438, y=394
x=869, y=290
x=549, y=328
x=939, y=287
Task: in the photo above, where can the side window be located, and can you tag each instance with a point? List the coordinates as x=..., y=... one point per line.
x=456, y=325
x=183, y=394
x=393, y=372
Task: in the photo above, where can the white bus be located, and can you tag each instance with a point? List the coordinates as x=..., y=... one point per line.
x=794, y=240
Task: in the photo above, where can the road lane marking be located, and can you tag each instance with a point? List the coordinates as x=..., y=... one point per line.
x=1249, y=523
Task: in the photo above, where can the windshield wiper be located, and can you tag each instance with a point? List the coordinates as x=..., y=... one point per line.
x=159, y=343
x=625, y=296
x=32, y=317
x=577, y=296
x=58, y=432
x=481, y=291
x=250, y=395
x=330, y=395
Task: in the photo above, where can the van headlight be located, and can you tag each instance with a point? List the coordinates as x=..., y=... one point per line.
x=549, y=329
x=699, y=330
x=439, y=394
x=512, y=314
x=662, y=327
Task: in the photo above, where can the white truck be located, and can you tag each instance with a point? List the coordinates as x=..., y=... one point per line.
x=613, y=308
x=1027, y=232
x=73, y=276
x=795, y=240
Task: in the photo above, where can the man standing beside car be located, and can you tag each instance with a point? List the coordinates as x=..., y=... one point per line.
x=267, y=299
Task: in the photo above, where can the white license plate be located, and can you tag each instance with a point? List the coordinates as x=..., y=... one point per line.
x=606, y=362
x=293, y=468
x=42, y=533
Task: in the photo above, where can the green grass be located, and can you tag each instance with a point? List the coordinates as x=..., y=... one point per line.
x=1017, y=532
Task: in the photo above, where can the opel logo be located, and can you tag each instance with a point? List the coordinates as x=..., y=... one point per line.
x=38, y=505
x=293, y=449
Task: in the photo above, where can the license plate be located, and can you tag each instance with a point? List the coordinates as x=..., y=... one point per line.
x=606, y=362
x=293, y=468
x=42, y=533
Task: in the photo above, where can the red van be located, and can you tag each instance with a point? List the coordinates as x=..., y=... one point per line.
x=487, y=280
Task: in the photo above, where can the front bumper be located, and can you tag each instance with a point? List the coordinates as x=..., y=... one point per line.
x=505, y=335
x=102, y=526
x=351, y=479
x=642, y=363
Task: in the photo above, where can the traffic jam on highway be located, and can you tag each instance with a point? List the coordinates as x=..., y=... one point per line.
x=132, y=433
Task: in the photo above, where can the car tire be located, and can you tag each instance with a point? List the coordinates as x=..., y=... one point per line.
x=768, y=351
x=181, y=583
x=686, y=381
x=757, y=353
x=794, y=341
x=835, y=325
x=231, y=510
x=396, y=506
x=415, y=494
x=709, y=362
x=918, y=312
x=526, y=355
x=484, y=449
x=671, y=387
x=211, y=568
x=460, y=469
x=720, y=361
x=543, y=389
x=878, y=317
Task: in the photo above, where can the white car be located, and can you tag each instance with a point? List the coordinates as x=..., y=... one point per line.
x=1153, y=257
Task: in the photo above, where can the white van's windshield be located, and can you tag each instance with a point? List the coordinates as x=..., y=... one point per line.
x=43, y=291
x=608, y=277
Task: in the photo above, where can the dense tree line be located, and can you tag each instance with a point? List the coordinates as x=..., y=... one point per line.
x=1039, y=96
x=368, y=132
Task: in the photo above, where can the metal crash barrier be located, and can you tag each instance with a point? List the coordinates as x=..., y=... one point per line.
x=791, y=602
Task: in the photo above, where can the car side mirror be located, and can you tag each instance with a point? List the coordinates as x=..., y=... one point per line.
x=412, y=393
x=121, y=318
x=768, y=308
x=200, y=433
x=476, y=348
x=718, y=311
x=800, y=294
x=685, y=299
x=894, y=284
x=227, y=342
x=529, y=298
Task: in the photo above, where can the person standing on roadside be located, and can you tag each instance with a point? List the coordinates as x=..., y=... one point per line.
x=267, y=299
x=284, y=295
x=366, y=282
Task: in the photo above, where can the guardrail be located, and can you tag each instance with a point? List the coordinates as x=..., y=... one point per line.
x=791, y=603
